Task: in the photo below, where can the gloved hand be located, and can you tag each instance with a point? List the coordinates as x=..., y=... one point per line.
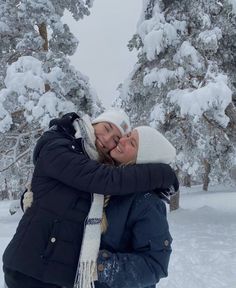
x=65, y=123
x=27, y=199
x=166, y=194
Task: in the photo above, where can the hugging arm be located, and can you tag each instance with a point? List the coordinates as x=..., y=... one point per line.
x=150, y=257
x=78, y=171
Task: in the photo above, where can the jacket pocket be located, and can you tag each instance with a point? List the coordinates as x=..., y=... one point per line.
x=66, y=254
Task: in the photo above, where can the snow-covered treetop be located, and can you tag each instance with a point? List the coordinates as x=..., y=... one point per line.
x=20, y=19
x=214, y=96
x=37, y=80
x=157, y=34
x=34, y=46
x=184, y=82
x=25, y=82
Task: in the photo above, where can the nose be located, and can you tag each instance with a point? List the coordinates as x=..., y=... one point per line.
x=123, y=140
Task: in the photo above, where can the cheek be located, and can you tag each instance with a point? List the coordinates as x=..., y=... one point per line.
x=134, y=154
x=112, y=152
x=116, y=156
x=130, y=154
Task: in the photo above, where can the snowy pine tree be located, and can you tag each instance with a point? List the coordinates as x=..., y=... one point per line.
x=37, y=81
x=184, y=83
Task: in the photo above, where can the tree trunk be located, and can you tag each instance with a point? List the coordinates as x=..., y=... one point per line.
x=187, y=180
x=206, y=179
x=174, y=201
x=230, y=111
x=44, y=34
x=4, y=193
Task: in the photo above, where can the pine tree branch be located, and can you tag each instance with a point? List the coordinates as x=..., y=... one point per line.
x=213, y=123
x=230, y=111
x=17, y=159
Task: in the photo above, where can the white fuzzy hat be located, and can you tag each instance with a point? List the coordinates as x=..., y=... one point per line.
x=154, y=147
x=117, y=117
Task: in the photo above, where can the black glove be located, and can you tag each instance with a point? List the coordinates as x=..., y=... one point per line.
x=65, y=123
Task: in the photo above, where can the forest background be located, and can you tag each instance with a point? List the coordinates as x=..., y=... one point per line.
x=183, y=83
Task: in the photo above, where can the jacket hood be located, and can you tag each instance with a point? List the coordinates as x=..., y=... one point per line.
x=47, y=137
x=57, y=128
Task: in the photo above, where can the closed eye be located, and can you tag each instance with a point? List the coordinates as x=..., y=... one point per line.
x=133, y=143
x=116, y=139
x=107, y=129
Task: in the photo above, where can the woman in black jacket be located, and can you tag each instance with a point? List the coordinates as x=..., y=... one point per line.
x=45, y=249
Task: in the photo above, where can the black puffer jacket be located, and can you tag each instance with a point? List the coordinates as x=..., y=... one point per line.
x=47, y=242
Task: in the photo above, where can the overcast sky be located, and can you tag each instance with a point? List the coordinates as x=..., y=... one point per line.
x=102, y=53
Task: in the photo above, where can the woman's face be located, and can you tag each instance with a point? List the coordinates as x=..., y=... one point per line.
x=107, y=136
x=127, y=149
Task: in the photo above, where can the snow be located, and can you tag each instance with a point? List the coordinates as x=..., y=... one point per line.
x=189, y=54
x=206, y=21
x=5, y=118
x=124, y=89
x=8, y=225
x=26, y=79
x=4, y=27
x=161, y=76
x=157, y=34
x=204, y=232
x=26, y=72
x=204, y=237
x=157, y=114
x=233, y=3
x=55, y=75
x=216, y=95
x=210, y=38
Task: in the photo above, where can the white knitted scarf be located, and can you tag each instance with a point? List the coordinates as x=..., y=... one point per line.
x=86, y=269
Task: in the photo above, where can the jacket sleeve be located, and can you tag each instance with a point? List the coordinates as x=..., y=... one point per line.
x=149, y=260
x=80, y=172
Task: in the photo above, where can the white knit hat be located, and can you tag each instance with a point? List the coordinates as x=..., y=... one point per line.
x=154, y=147
x=117, y=117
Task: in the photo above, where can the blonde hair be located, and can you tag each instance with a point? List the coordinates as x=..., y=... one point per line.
x=106, y=159
x=104, y=223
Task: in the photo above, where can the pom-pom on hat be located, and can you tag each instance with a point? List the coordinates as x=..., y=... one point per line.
x=117, y=117
x=154, y=147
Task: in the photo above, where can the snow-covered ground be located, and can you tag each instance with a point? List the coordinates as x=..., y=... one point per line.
x=204, y=232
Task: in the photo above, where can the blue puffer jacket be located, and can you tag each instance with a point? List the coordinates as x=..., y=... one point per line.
x=136, y=247
x=47, y=242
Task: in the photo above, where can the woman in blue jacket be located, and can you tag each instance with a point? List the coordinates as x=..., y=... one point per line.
x=45, y=249
x=136, y=246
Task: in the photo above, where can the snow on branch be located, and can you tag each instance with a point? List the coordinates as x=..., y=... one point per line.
x=26, y=80
x=215, y=96
x=157, y=34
